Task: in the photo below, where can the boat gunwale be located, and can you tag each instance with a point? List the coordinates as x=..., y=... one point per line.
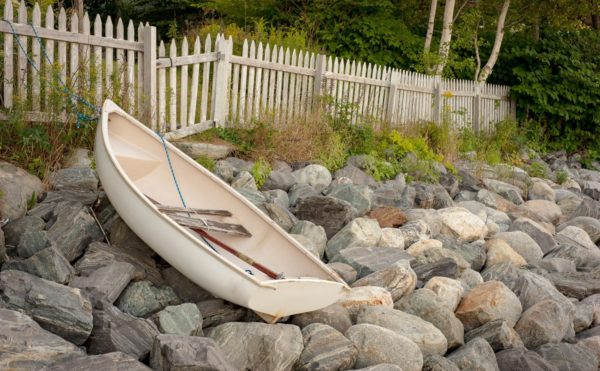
x=111, y=107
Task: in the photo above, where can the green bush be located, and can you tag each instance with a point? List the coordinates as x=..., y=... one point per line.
x=206, y=162
x=260, y=171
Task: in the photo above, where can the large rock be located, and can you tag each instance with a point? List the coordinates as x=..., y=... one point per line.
x=48, y=264
x=399, y=279
x=280, y=215
x=277, y=179
x=498, y=334
x=446, y=267
x=176, y=352
x=450, y=291
x=2, y=247
x=313, y=232
x=590, y=225
x=361, y=232
x=57, y=308
x=414, y=231
x=429, y=338
x=367, y=260
x=32, y=241
x=365, y=296
x=498, y=251
x=524, y=245
x=258, y=346
x=216, y=312
x=587, y=207
x=437, y=253
x=356, y=175
x=325, y=348
x=572, y=235
x=185, y=289
x=329, y=212
x=508, y=191
x=390, y=194
x=184, y=319
x=358, y=197
x=433, y=362
x=583, y=317
x=117, y=331
x=378, y=345
x=108, y=361
x=546, y=210
x=489, y=301
x=105, y=283
x=426, y=304
x=210, y=150
x=334, y=315
x=523, y=360
x=345, y=271
x=392, y=237
x=569, y=357
x=74, y=179
x=244, y=180
x=388, y=217
x=577, y=285
x=141, y=299
x=541, y=191
x=545, y=322
x=476, y=355
x=458, y=222
x=73, y=229
x=17, y=188
x=538, y=233
x=315, y=175
x=26, y=346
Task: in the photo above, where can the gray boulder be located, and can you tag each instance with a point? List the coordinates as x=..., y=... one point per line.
x=433, y=362
x=510, y=192
x=314, y=175
x=26, y=346
x=445, y=267
x=176, y=352
x=48, y=264
x=329, y=212
x=57, y=308
x=244, y=180
x=545, y=322
x=476, y=355
x=313, y=232
x=14, y=231
x=279, y=197
x=538, y=233
x=541, y=191
x=17, y=188
x=356, y=175
x=109, y=361
x=185, y=289
x=522, y=359
x=522, y=244
x=300, y=191
x=569, y=357
x=334, y=315
x=141, y=299
x=280, y=215
x=216, y=312
x=105, y=283
x=583, y=316
x=184, y=319
x=414, y=231
x=361, y=232
x=377, y=345
x=283, y=180
x=325, y=348
x=399, y=279
x=258, y=346
x=461, y=224
x=390, y=194
x=345, y=271
x=32, y=241
x=257, y=198
x=559, y=265
x=498, y=334
x=429, y=339
x=117, y=331
x=366, y=260
x=358, y=196
x=590, y=225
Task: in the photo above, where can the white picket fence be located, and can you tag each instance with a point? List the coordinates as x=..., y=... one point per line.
x=178, y=85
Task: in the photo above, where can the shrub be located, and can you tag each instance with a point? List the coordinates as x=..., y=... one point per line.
x=206, y=162
x=260, y=171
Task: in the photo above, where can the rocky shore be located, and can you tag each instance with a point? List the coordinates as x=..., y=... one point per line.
x=490, y=269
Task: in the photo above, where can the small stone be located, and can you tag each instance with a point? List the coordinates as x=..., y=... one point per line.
x=388, y=217
x=420, y=247
x=458, y=222
x=470, y=279
x=365, y=296
x=333, y=315
x=523, y=360
x=329, y=212
x=378, y=345
x=141, y=299
x=184, y=319
x=361, y=232
x=449, y=291
x=345, y=271
x=498, y=251
x=545, y=322
x=279, y=346
x=325, y=348
x=176, y=352
x=427, y=337
x=489, y=301
x=446, y=267
x=498, y=334
x=399, y=279
x=476, y=355
x=565, y=356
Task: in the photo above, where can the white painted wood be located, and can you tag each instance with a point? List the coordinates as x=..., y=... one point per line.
x=120, y=64
x=109, y=75
x=149, y=81
x=194, y=86
x=139, y=92
x=8, y=58
x=243, y=82
x=304, y=90
x=298, y=92
x=258, y=93
x=283, y=114
x=74, y=58
x=319, y=79
x=312, y=84
x=49, y=70
x=36, y=21
x=97, y=63
x=85, y=58
x=251, y=75
x=265, y=81
x=292, y=88
x=183, y=103
x=162, y=92
x=219, y=104
x=186, y=60
x=130, y=81
x=272, y=80
x=279, y=87
x=173, y=88
x=205, y=80
x=235, y=89
x=22, y=56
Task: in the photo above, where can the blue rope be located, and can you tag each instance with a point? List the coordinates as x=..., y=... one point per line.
x=81, y=117
x=171, y=168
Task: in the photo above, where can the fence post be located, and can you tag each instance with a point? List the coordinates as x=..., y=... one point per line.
x=390, y=115
x=319, y=79
x=477, y=108
x=220, y=104
x=437, y=100
x=150, y=74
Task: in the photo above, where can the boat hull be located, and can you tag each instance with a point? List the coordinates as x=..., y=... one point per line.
x=193, y=258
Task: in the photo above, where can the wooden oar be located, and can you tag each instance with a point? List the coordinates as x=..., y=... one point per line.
x=240, y=255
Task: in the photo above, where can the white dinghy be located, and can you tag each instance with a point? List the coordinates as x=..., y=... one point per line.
x=211, y=234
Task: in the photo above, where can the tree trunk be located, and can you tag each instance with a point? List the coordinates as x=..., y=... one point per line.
x=446, y=37
x=430, y=25
x=487, y=69
x=596, y=21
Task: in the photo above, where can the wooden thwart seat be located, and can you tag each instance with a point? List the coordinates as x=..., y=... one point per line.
x=178, y=209
x=210, y=225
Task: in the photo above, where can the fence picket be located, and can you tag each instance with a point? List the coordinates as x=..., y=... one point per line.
x=48, y=59
x=257, y=98
x=298, y=92
x=251, y=74
x=173, y=88
x=130, y=68
x=85, y=57
x=74, y=57
x=108, y=59
x=162, y=92
x=184, y=86
x=292, y=87
x=140, y=74
x=36, y=21
x=120, y=63
x=243, y=82
x=8, y=58
x=22, y=56
x=98, y=63
x=205, y=77
x=265, y=81
x=278, y=92
x=194, y=92
x=272, y=81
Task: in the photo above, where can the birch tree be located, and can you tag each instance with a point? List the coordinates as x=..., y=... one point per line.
x=446, y=37
x=430, y=26
x=489, y=66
